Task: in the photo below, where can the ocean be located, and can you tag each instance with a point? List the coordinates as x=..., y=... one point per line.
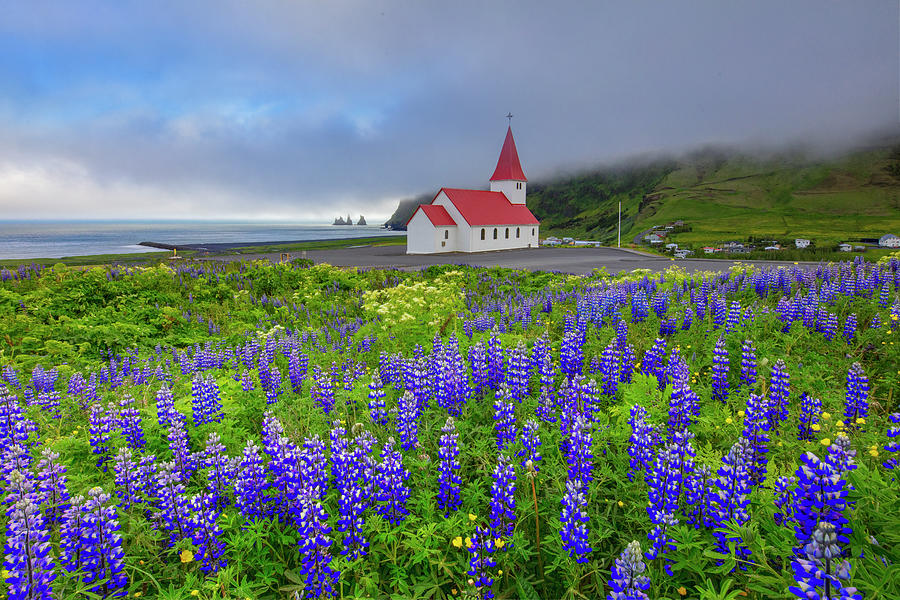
x=43, y=239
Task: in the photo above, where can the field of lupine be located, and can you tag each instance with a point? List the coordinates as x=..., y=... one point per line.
x=298, y=431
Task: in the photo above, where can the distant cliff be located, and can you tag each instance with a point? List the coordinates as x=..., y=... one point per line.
x=405, y=210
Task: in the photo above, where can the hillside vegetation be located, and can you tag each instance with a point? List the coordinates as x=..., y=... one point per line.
x=724, y=194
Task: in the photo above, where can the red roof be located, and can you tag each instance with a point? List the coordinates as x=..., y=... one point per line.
x=508, y=166
x=436, y=213
x=480, y=207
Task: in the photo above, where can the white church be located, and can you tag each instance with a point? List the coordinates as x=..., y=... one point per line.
x=477, y=220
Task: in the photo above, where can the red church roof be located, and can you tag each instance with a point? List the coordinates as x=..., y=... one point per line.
x=508, y=166
x=480, y=207
x=436, y=213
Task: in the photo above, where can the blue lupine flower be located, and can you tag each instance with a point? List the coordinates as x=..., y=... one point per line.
x=574, y=521
x=653, y=361
x=810, y=409
x=206, y=405
x=273, y=389
x=857, y=397
x=479, y=365
x=720, y=371
x=626, y=364
x=683, y=405
x=221, y=470
x=298, y=362
x=642, y=441
x=850, y=328
x=784, y=500
x=377, y=411
x=503, y=501
x=779, y=392
x=627, y=581
x=699, y=486
x=820, y=496
x=322, y=390
x=729, y=502
x=734, y=316
x=247, y=381
x=748, y=364
x=610, y=369
x=251, y=484
x=392, y=489
x=640, y=308
x=51, y=485
x=408, y=421
x=531, y=441
x=319, y=577
x=504, y=419
x=101, y=553
x=205, y=532
x=518, y=372
x=128, y=479
x=100, y=430
x=29, y=567
x=841, y=455
x=481, y=550
x=893, y=445
x=132, y=429
x=185, y=460
x=578, y=452
x=572, y=354
x=820, y=573
x=173, y=510
x=756, y=437
x=313, y=466
x=495, y=362
x=665, y=484
x=448, y=478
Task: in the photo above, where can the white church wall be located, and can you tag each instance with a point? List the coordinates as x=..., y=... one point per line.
x=525, y=239
x=421, y=235
x=463, y=231
x=514, y=190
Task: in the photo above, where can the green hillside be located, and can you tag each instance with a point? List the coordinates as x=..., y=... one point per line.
x=723, y=195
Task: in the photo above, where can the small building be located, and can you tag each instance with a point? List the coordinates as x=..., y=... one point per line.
x=671, y=246
x=679, y=223
x=801, y=243
x=889, y=240
x=709, y=250
x=683, y=253
x=845, y=247
x=775, y=247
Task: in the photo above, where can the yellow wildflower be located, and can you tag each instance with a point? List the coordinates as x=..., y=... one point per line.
x=825, y=442
x=741, y=413
x=499, y=543
x=620, y=503
x=186, y=556
x=457, y=541
x=472, y=517
x=682, y=591
x=729, y=421
x=826, y=415
x=195, y=592
x=860, y=421
x=815, y=427
x=873, y=452
x=468, y=542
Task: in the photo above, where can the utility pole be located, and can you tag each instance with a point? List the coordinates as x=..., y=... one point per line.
x=620, y=224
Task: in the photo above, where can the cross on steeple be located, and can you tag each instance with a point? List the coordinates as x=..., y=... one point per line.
x=509, y=117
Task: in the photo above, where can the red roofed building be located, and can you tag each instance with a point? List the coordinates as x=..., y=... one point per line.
x=477, y=220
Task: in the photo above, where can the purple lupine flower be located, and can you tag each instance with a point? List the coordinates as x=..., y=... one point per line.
x=730, y=500
x=652, y=363
x=165, y=403
x=699, y=485
x=207, y=406
x=518, y=372
x=688, y=321
x=720, y=371
x=392, y=489
x=531, y=442
x=779, y=392
x=495, y=362
x=503, y=501
x=100, y=430
x=504, y=419
x=28, y=565
x=273, y=390
x=247, y=381
x=784, y=500
x=810, y=409
x=574, y=521
x=131, y=426
x=185, y=460
x=664, y=481
x=352, y=501
x=283, y=465
x=820, y=496
x=479, y=365
x=850, y=328
x=841, y=455
x=893, y=445
x=640, y=308
x=312, y=522
x=251, y=484
x=682, y=406
x=221, y=469
x=51, y=486
x=205, y=532
x=857, y=397
x=748, y=364
x=481, y=549
x=127, y=479
x=322, y=390
x=626, y=364
x=448, y=478
x=70, y=535
x=571, y=355
x=298, y=363
x=377, y=412
x=610, y=368
x=313, y=466
x=822, y=568
x=642, y=440
x=408, y=421
x=101, y=553
x=578, y=453
x=627, y=581
x=173, y=512
x=756, y=437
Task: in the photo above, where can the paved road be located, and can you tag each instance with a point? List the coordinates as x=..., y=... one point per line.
x=579, y=261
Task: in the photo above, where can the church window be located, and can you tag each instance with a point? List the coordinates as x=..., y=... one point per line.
x=495, y=233
x=446, y=234
x=507, y=233
x=517, y=232
x=532, y=231
x=482, y=233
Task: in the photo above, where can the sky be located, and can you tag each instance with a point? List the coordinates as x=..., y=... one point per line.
x=303, y=110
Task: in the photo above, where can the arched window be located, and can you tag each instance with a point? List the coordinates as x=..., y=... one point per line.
x=495, y=233
x=532, y=231
x=482, y=233
x=517, y=232
x=507, y=233
x=446, y=234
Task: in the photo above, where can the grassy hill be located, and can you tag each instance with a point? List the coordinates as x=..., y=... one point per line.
x=722, y=195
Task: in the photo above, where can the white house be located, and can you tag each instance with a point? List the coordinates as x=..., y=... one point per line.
x=459, y=220
x=801, y=243
x=845, y=247
x=889, y=240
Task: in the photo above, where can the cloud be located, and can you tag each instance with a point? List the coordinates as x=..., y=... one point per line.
x=301, y=110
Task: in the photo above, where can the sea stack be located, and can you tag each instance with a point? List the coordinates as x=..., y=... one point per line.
x=362, y=220
x=339, y=221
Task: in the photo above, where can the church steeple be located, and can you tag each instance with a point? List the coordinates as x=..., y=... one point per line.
x=509, y=177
